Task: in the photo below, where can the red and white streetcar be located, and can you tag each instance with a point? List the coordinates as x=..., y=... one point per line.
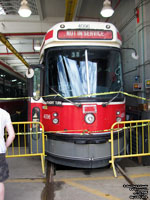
x=72, y=92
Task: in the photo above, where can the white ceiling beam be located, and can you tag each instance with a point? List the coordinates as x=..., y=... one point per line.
x=13, y=24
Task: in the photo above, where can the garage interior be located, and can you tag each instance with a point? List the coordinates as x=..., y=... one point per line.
x=130, y=17
x=23, y=34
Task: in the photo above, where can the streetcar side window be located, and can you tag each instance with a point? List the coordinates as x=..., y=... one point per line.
x=11, y=86
x=1, y=91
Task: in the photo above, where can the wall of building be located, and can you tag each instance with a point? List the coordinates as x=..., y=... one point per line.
x=135, y=33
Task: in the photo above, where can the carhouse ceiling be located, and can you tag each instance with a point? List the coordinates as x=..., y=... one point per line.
x=24, y=33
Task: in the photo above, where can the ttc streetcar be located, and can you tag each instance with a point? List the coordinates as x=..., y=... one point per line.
x=12, y=87
x=74, y=92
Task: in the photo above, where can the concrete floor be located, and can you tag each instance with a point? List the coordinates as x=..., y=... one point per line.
x=26, y=181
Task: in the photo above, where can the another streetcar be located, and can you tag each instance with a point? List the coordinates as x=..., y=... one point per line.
x=13, y=86
x=74, y=95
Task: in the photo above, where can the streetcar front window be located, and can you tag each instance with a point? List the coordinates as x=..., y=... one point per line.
x=82, y=71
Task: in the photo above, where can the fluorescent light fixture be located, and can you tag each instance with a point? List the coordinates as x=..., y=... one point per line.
x=14, y=80
x=24, y=10
x=37, y=46
x=2, y=75
x=19, y=83
x=107, y=10
x=2, y=12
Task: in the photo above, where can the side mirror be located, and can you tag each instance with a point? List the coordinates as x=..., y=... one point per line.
x=135, y=55
x=29, y=73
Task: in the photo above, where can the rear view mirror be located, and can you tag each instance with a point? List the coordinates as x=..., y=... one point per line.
x=29, y=73
x=135, y=55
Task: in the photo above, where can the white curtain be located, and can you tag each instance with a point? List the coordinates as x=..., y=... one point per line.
x=77, y=77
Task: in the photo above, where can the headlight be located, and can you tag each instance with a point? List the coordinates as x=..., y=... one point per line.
x=89, y=118
x=118, y=119
x=55, y=121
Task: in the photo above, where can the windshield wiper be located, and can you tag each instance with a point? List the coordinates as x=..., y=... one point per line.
x=58, y=94
x=105, y=104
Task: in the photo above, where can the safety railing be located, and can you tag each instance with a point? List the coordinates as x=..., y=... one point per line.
x=29, y=141
x=133, y=140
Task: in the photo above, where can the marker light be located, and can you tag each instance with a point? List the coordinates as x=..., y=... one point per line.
x=49, y=35
x=119, y=36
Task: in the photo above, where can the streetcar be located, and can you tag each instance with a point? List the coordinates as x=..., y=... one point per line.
x=13, y=89
x=75, y=92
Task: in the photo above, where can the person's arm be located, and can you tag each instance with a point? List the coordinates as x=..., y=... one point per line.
x=11, y=134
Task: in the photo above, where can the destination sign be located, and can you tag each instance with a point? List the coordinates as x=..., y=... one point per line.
x=85, y=34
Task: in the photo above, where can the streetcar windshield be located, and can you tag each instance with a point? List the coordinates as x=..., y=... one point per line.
x=74, y=72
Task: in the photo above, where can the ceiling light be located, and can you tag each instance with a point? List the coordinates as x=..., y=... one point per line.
x=107, y=10
x=37, y=46
x=2, y=12
x=24, y=10
x=14, y=80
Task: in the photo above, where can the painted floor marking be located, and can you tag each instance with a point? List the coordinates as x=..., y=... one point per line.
x=26, y=180
x=92, y=191
x=40, y=180
x=70, y=181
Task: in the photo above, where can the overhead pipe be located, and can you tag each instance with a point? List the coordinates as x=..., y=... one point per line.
x=4, y=40
x=33, y=45
x=25, y=34
x=143, y=53
x=29, y=53
x=70, y=9
x=117, y=4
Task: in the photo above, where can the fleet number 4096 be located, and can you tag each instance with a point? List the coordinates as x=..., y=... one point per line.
x=84, y=25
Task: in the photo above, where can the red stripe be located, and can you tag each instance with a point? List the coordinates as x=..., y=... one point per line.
x=23, y=34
